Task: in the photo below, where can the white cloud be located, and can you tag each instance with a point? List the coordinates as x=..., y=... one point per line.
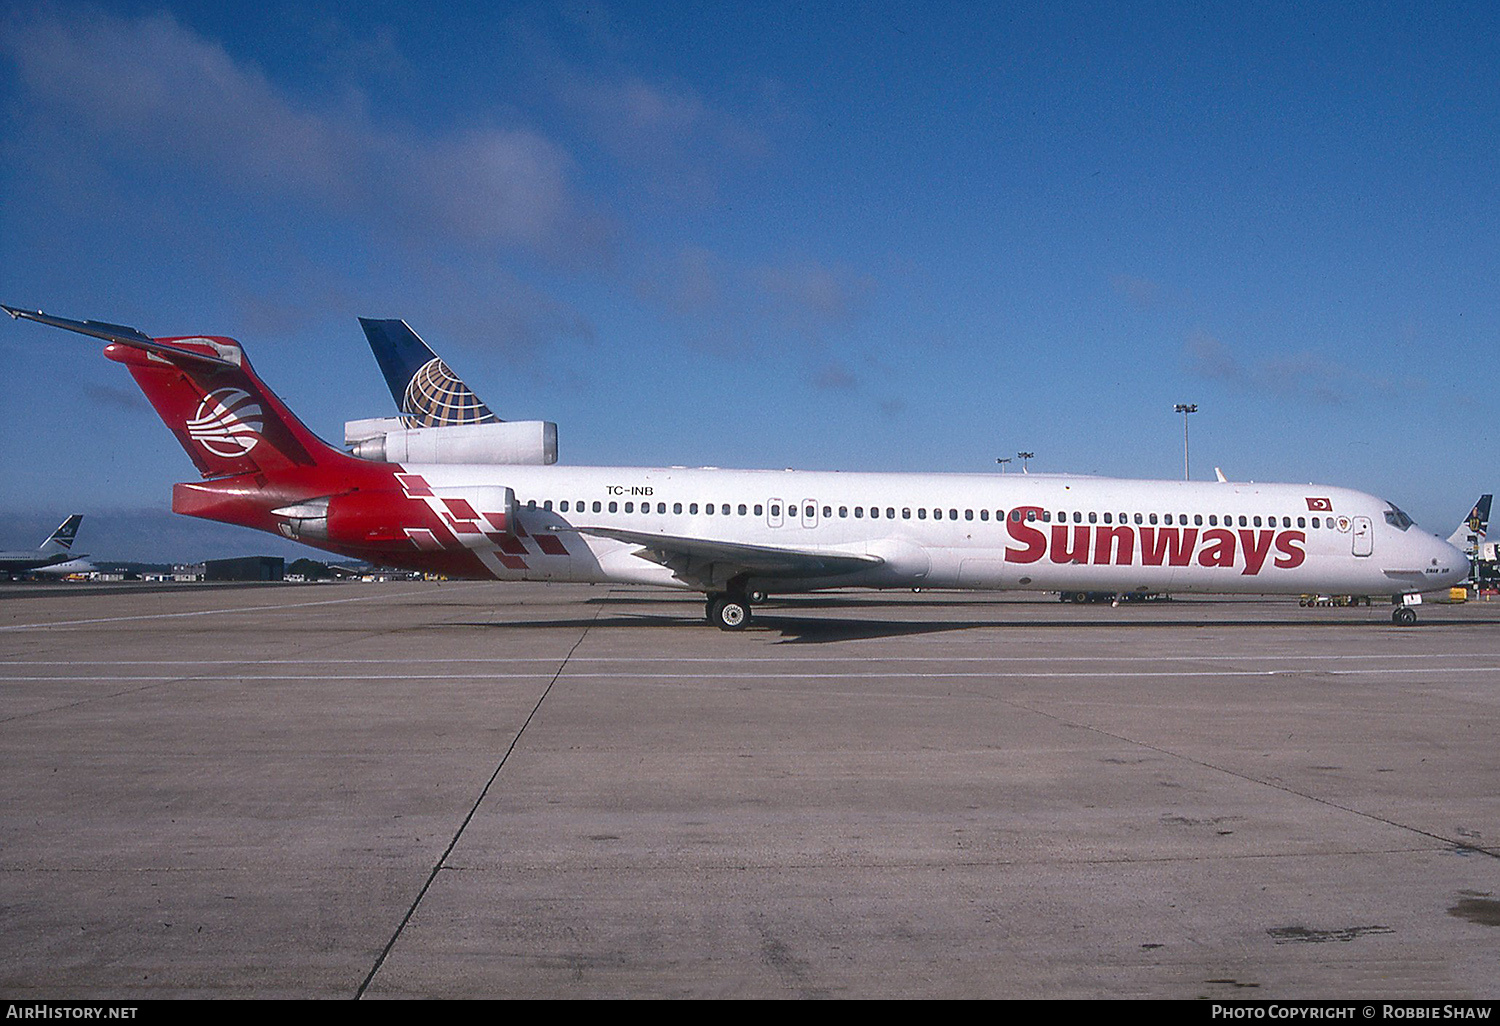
x=165, y=100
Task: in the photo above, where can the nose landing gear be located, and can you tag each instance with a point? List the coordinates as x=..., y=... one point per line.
x=1404, y=616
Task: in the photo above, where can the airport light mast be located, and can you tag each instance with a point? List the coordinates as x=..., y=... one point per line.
x=1024, y=457
x=1002, y=463
x=1185, y=409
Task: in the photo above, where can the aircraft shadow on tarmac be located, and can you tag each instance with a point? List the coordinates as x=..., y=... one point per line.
x=781, y=618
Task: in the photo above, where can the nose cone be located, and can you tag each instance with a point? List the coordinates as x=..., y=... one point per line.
x=1452, y=564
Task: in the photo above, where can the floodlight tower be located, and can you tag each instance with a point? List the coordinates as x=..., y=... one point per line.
x=1024, y=457
x=1185, y=409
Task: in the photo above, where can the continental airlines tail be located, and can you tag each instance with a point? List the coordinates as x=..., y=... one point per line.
x=427, y=393
x=488, y=501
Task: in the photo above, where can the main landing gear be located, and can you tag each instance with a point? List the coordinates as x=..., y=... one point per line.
x=1404, y=616
x=728, y=610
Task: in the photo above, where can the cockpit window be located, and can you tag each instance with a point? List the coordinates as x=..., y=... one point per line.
x=1397, y=519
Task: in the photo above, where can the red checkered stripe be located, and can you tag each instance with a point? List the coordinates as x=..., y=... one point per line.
x=497, y=544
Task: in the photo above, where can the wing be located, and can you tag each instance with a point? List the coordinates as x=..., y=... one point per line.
x=706, y=563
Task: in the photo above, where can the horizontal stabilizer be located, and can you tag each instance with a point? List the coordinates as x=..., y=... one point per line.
x=121, y=335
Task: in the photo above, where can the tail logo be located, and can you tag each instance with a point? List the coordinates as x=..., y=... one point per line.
x=436, y=397
x=228, y=423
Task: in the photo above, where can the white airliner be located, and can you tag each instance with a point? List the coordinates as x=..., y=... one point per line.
x=53, y=554
x=472, y=501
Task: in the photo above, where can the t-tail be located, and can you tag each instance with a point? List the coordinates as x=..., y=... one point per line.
x=253, y=453
x=205, y=391
x=263, y=468
x=427, y=393
x=1471, y=533
x=61, y=540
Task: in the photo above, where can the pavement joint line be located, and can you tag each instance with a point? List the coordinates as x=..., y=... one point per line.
x=155, y=683
x=859, y=675
x=758, y=659
x=1283, y=788
x=55, y=624
x=483, y=793
x=939, y=864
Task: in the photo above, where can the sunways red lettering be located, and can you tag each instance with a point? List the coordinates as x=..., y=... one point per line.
x=1169, y=542
x=1114, y=545
x=1034, y=540
x=1257, y=545
x=1079, y=553
x=1289, y=543
x=1218, y=548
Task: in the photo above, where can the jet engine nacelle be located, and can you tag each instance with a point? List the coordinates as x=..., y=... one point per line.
x=385, y=440
x=392, y=520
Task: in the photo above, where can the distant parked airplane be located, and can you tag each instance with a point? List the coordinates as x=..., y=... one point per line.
x=55, y=550
x=1471, y=533
x=403, y=499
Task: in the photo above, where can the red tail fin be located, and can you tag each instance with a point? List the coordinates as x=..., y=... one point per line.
x=211, y=400
x=226, y=419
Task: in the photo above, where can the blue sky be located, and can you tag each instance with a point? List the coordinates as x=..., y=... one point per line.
x=844, y=236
